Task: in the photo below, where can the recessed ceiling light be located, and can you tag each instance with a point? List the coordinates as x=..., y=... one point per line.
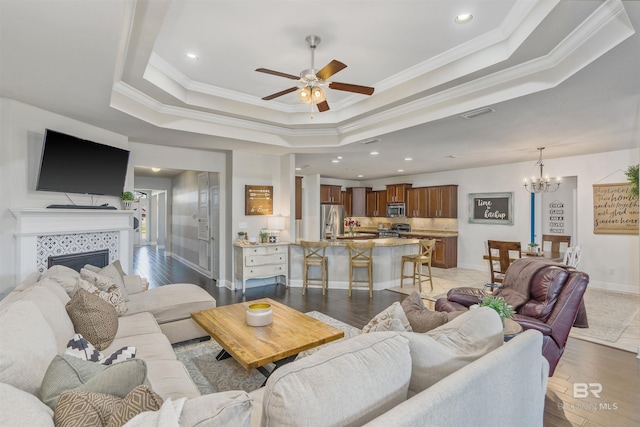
x=298, y=169
x=463, y=18
x=155, y=169
x=192, y=55
x=374, y=153
x=360, y=176
x=339, y=157
x=335, y=161
x=408, y=159
x=400, y=170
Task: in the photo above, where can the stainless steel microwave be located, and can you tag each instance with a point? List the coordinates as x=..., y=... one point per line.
x=396, y=209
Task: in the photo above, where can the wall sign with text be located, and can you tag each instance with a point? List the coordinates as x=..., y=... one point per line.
x=615, y=211
x=491, y=208
x=258, y=200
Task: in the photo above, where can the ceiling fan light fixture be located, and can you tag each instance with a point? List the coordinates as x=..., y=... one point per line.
x=304, y=95
x=317, y=94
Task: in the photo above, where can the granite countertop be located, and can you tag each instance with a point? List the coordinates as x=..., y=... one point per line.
x=247, y=243
x=416, y=232
x=387, y=242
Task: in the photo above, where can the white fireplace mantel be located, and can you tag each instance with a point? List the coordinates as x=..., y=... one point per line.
x=32, y=223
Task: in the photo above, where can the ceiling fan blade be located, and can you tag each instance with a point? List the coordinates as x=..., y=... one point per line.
x=330, y=69
x=277, y=73
x=282, y=92
x=323, y=106
x=365, y=90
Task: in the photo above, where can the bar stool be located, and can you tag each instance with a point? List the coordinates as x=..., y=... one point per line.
x=314, y=256
x=361, y=256
x=424, y=257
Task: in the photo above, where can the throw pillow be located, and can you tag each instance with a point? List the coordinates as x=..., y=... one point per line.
x=114, y=272
x=387, y=325
x=93, y=318
x=420, y=317
x=70, y=373
x=84, y=409
x=141, y=399
x=64, y=276
x=87, y=409
x=112, y=295
x=442, y=351
x=394, y=311
x=79, y=347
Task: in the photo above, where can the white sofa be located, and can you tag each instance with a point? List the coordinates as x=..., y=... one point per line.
x=35, y=327
x=458, y=374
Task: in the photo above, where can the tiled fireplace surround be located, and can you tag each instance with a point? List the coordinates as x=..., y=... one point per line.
x=41, y=233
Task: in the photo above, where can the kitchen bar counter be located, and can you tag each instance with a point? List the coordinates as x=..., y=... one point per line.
x=415, y=232
x=387, y=259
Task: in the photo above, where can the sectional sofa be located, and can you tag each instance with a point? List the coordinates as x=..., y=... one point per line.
x=460, y=373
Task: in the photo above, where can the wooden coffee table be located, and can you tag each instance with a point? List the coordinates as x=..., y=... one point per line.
x=255, y=346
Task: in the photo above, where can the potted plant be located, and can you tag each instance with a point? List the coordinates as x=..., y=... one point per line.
x=632, y=176
x=127, y=199
x=533, y=247
x=242, y=235
x=503, y=309
x=264, y=236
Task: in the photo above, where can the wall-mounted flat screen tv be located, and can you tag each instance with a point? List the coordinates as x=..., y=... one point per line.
x=74, y=165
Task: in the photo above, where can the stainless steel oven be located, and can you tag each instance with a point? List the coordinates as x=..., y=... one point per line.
x=396, y=210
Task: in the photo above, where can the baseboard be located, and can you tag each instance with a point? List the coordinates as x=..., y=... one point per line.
x=193, y=266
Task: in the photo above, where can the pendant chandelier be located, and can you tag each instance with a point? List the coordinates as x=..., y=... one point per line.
x=542, y=184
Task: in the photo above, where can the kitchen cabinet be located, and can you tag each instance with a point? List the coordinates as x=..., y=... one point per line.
x=396, y=193
x=445, y=252
x=330, y=194
x=358, y=202
x=417, y=202
x=298, y=195
x=442, y=201
x=345, y=200
x=261, y=261
x=376, y=203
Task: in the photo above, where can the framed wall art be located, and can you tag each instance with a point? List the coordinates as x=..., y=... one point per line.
x=258, y=200
x=491, y=208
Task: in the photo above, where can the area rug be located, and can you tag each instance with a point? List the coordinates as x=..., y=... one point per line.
x=443, y=280
x=609, y=314
x=211, y=375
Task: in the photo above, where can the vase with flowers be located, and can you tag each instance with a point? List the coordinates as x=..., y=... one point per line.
x=351, y=224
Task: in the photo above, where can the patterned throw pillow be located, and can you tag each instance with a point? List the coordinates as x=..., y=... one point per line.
x=82, y=349
x=93, y=318
x=112, y=295
x=394, y=311
x=84, y=408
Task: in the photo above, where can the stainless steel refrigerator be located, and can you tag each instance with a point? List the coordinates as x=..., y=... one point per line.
x=331, y=221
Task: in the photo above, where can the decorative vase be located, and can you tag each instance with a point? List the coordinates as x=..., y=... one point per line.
x=351, y=230
x=126, y=205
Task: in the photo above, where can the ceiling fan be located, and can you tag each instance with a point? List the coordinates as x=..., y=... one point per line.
x=311, y=81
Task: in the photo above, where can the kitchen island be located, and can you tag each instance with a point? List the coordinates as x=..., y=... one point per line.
x=387, y=259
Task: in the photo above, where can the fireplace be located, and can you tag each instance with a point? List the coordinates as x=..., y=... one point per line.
x=78, y=261
x=44, y=233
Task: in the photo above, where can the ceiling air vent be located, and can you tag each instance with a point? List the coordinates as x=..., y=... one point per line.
x=370, y=141
x=475, y=113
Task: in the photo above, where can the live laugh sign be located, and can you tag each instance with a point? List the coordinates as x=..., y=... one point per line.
x=491, y=208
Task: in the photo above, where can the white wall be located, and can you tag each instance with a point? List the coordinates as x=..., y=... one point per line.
x=22, y=134
x=611, y=260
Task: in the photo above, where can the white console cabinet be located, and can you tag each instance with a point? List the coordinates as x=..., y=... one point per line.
x=261, y=261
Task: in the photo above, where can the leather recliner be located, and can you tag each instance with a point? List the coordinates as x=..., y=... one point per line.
x=548, y=297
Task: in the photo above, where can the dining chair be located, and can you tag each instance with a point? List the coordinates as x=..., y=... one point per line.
x=418, y=260
x=572, y=256
x=554, y=242
x=315, y=256
x=361, y=256
x=501, y=255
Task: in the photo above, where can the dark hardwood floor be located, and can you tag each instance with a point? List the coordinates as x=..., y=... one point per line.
x=583, y=362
